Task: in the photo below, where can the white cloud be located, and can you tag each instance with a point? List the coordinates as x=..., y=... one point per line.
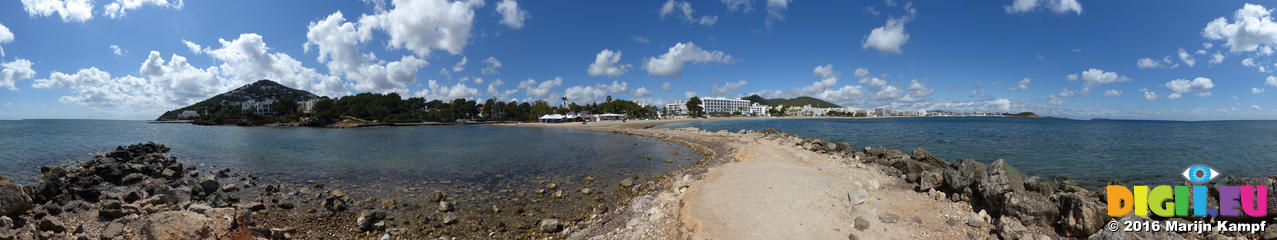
x=435, y=91
x=499, y=95
x=689, y=94
x=917, y=92
x=605, y=64
x=583, y=94
x=423, y=25
x=1112, y=92
x=873, y=82
x=616, y=87
x=1256, y=107
x=116, y=50
x=338, y=45
x=511, y=14
x=776, y=10
x=1057, y=6
x=5, y=37
x=1148, y=63
x=1072, y=77
x=1058, y=98
x=1256, y=90
x=1252, y=27
x=461, y=66
x=247, y=58
x=1217, y=58
x=640, y=39
x=1180, y=86
x=69, y=10
x=117, y=9
x=1148, y=95
x=671, y=63
x=1203, y=94
x=1207, y=45
x=1022, y=85
x=540, y=90
x=728, y=88
x=1271, y=81
x=665, y=87
x=1096, y=77
x=641, y=92
x=742, y=5
x=1187, y=58
x=861, y=72
x=684, y=9
x=195, y=48
x=14, y=71
x=888, y=38
x=826, y=71
x=889, y=93
x=491, y=65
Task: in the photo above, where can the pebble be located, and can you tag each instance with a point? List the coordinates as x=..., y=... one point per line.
x=861, y=224
x=551, y=186
x=445, y=206
x=888, y=218
x=585, y=191
x=550, y=225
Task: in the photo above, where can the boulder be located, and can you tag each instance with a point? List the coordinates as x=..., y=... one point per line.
x=1040, y=185
x=550, y=225
x=113, y=230
x=132, y=178
x=76, y=206
x=369, y=221
x=1032, y=209
x=996, y=182
x=1080, y=216
x=845, y=148
x=208, y=183
x=930, y=180
x=13, y=200
x=1011, y=228
x=178, y=225
x=876, y=151
x=922, y=155
x=50, y=223
x=963, y=174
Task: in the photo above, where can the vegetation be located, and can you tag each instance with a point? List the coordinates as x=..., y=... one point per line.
x=261, y=90
x=845, y=114
x=798, y=101
x=694, y=107
x=1022, y=114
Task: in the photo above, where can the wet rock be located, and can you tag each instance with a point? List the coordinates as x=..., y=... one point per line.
x=861, y=224
x=177, y=225
x=550, y=225
x=627, y=182
x=336, y=201
x=13, y=200
x=1081, y=216
x=1032, y=209
x=371, y=221
x=449, y=218
x=50, y=223
x=996, y=182
x=445, y=206
x=437, y=196
x=888, y=218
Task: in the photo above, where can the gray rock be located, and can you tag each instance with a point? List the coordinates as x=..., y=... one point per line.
x=1270, y=232
x=962, y=174
x=445, y=206
x=177, y=225
x=199, y=208
x=627, y=182
x=255, y=206
x=5, y=222
x=888, y=218
x=208, y=183
x=75, y=206
x=1081, y=216
x=50, y=223
x=1040, y=185
x=1032, y=209
x=449, y=218
x=113, y=230
x=132, y=178
x=52, y=208
x=368, y=221
x=230, y=188
x=282, y=233
x=1000, y=179
x=861, y=224
x=857, y=196
x=550, y=225
x=1011, y=228
x=13, y=200
x=586, y=191
x=930, y=180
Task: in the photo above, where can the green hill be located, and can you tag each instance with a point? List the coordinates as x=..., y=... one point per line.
x=258, y=91
x=798, y=101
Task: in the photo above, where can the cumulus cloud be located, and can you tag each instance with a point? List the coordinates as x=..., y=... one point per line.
x=337, y=42
x=616, y=87
x=421, y=26
x=689, y=94
x=1022, y=85
x=541, y=90
x=1180, y=86
x=605, y=64
x=116, y=50
x=5, y=37
x=641, y=92
x=1217, y=58
x=461, y=65
x=118, y=8
x=1148, y=63
x=776, y=10
x=247, y=58
x=888, y=38
x=671, y=63
x=1096, y=77
x=491, y=65
x=728, y=88
x=436, y=91
x=1148, y=94
x=511, y=14
x=583, y=94
x=14, y=71
x=1252, y=26
x=1256, y=107
x=918, y=91
x=739, y=5
x=195, y=48
x=684, y=10
x=1057, y=6
x=1112, y=92
x=1256, y=90
x=1187, y=58
x=1271, y=81
x=1058, y=98
x=68, y=10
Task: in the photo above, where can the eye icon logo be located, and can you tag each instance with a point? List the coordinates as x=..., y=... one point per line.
x=1199, y=173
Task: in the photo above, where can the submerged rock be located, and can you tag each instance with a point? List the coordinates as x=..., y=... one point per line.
x=627, y=182
x=550, y=225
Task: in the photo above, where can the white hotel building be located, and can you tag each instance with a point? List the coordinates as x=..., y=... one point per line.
x=724, y=105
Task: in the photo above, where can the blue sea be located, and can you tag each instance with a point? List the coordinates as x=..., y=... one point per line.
x=486, y=156
x=1088, y=152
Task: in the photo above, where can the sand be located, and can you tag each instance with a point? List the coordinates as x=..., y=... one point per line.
x=758, y=188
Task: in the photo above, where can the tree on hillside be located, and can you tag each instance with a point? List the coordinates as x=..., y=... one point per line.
x=694, y=107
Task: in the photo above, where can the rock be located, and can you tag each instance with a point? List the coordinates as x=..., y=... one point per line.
x=1270, y=232
x=1011, y=228
x=113, y=230
x=208, y=183
x=861, y=224
x=844, y=147
x=75, y=206
x=50, y=223
x=282, y=233
x=286, y=205
x=627, y=182
x=198, y=208
x=368, y=221
x=876, y=151
x=888, y=218
x=449, y=218
x=5, y=222
x=177, y=225
x=255, y=206
x=1000, y=179
x=930, y=180
x=586, y=191
x=963, y=174
x=445, y=206
x=336, y=201
x=550, y=225
x=558, y=194
x=13, y=200
x=112, y=209
x=551, y=186
x=857, y=196
x=53, y=209
x=1103, y=234
x=437, y=196
x=132, y=178
x=230, y=188
x=1081, y=216
x=1040, y=185
x=1031, y=208
x=589, y=179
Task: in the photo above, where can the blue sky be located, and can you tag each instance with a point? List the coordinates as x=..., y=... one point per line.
x=1082, y=59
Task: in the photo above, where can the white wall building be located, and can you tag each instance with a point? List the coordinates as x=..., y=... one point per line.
x=724, y=105
x=758, y=110
x=676, y=108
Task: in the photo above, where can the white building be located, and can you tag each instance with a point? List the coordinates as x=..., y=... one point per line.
x=676, y=108
x=758, y=110
x=724, y=105
x=309, y=105
x=188, y=114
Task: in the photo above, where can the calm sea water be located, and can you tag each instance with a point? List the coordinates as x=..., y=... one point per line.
x=1089, y=152
x=475, y=154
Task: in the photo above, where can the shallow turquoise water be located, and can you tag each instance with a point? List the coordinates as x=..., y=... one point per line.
x=474, y=154
x=1089, y=152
